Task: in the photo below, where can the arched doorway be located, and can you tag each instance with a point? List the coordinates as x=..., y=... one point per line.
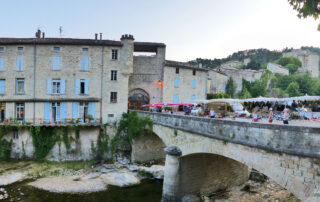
x=137, y=98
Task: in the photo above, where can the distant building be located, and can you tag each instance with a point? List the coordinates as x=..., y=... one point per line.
x=232, y=63
x=276, y=68
x=217, y=82
x=309, y=60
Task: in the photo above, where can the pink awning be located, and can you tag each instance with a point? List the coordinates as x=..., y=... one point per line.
x=166, y=104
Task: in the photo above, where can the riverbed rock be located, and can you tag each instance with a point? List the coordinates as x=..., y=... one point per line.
x=9, y=178
x=190, y=198
x=67, y=184
x=121, y=178
x=156, y=170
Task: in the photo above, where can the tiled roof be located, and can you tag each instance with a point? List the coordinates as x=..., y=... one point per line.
x=280, y=66
x=172, y=63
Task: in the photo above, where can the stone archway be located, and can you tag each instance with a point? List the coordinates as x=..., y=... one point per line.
x=137, y=98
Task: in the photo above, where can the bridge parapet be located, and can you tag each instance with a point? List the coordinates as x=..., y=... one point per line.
x=289, y=139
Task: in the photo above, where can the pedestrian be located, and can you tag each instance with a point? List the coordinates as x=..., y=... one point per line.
x=270, y=115
x=286, y=115
x=212, y=114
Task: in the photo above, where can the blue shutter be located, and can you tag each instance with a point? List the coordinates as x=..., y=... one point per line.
x=193, y=97
x=176, y=82
x=55, y=62
x=47, y=112
x=2, y=86
x=77, y=86
x=91, y=109
x=84, y=63
x=49, y=86
x=1, y=63
x=175, y=98
x=63, y=111
x=86, y=87
x=194, y=83
x=75, y=113
x=63, y=86
x=20, y=63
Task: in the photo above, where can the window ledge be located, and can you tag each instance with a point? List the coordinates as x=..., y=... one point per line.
x=81, y=70
x=20, y=93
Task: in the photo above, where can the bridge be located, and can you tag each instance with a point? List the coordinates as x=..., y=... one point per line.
x=204, y=155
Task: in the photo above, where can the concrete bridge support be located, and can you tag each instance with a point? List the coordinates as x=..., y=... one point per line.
x=171, y=182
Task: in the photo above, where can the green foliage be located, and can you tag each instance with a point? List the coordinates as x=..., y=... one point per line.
x=43, y=139
x=284, y=61
x=306, y=8
x=5, y=149
x=231, y=87
x=217, y=96
x=292, y=68
x=253, y=64
x=293, y=89
x=67, y=139
x=258, y=87
x=130, y=126
x=245, y=93
x=103, y=143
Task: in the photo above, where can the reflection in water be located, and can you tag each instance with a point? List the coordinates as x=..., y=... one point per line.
x=147, y=191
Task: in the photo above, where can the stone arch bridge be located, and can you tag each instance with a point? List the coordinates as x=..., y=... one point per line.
x=211, y=154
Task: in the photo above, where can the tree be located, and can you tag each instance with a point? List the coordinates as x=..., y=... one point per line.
x=231, y=87
x=293, y=89
x=292, y=68
x=284, y=61
x=306, y=8
x=253, y=65
x=245, y=93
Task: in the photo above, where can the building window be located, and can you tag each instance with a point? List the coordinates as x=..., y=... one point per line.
x=2, y=111
x=177, y=70
x=56, y=48
x=56, y=61
x=176, y=82
x=113, y=97
x=85, y=63
x=85, y=49
x=19, y=86
x=110, y=115
x=114, y=54
x=20, y=63
x=194, y=83
x=114, y=75
x=20, y=48
x=193, y=97
x=194, y=72
x=2, y=86
x=20, y=111
x=175, y=98
x=15, y=135
x=1, y=63
x=82, y=86
x=1, y=49
x=56, y=111
x=83, y=111
x=56, y=86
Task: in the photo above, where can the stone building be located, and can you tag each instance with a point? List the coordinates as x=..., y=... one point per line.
x=309, y=60
x=239, y=74
x=276, y=68
x=217, y=82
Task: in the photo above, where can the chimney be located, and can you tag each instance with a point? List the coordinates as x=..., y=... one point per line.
x=38, y=34
x=43, y=34
x=100, y=36
x=96, y=36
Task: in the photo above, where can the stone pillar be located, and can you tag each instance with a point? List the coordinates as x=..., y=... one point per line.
x=170, y=191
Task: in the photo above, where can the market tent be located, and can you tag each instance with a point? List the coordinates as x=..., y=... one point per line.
x=167, y=104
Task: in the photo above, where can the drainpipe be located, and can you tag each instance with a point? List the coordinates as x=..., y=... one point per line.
x=34, y=80
x=101, y=91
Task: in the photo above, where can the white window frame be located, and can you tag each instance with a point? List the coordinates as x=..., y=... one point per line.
x=20, y=107
x=20, y=80
x=56, y=47
x=114, y=75
x=84, y=86
x=83, y=111
x=56, y=111
x=113, y=97
x=114, y=54
x=56, y=86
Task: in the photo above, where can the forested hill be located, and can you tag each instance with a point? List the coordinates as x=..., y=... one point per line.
x=260, y=56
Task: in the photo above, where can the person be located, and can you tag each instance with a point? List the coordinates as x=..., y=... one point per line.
x=270, y=115
x=212, y=114
x=286, y=115
x=255, y=118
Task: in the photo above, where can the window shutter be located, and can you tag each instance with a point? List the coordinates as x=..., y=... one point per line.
x=176, y=82
x=75, y=113
x=63, y=86
x=55, y=62
x=91, y=109
x=193, y=97
x=84, y=63
x=20, y=63
x=176, y=98
x=49, y=86
x=47, y=112
x=86, y=87
x=77, y=86
x=2, y=86
x=63, y=111
x=194, y=83
x=1, y=63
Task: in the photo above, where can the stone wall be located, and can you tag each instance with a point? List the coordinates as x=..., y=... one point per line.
x=276, y=68
x=217, y=82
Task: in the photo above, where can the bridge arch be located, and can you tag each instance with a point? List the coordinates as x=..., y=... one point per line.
x=137, y=98
x=291, y=172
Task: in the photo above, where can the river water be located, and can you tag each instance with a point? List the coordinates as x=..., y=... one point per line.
x=147, y=191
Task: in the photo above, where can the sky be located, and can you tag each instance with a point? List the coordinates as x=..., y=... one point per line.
x=190, y=28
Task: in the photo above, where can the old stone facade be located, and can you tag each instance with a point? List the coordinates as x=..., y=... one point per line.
x=276, y=68
x=217, y=82
x=309, y=60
